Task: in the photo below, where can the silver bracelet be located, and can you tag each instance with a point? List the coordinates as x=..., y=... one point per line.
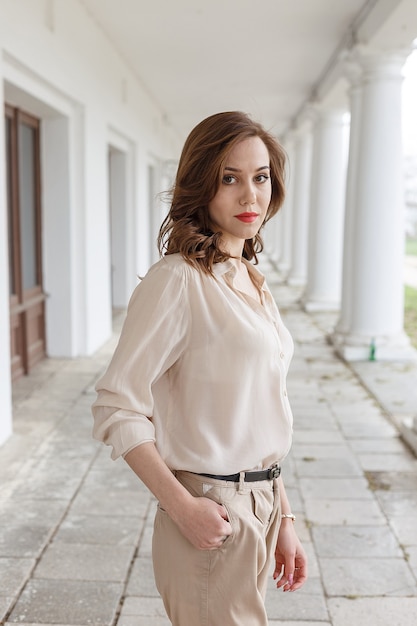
x=289, y=516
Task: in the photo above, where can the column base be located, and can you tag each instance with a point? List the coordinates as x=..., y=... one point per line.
x=408, y=429
x=373, y=348
x=312, y=305
x=296, y=281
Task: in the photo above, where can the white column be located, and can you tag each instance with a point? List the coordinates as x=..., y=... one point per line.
x=271, y=238
x=286, y=211
x=5, y=377
x=377, y=308
x=353, y=72
x=302, y=175
x=274, y=230
x=327, y=204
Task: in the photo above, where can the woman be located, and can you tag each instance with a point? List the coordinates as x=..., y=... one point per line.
x=194, y=398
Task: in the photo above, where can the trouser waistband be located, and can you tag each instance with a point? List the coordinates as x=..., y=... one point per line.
x=269, y=474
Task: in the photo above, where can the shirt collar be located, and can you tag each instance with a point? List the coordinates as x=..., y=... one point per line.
x=228, y=268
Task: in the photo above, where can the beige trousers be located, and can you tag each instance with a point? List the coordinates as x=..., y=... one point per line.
x=227, y=586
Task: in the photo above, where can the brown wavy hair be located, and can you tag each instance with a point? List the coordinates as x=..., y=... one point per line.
x=186, y=229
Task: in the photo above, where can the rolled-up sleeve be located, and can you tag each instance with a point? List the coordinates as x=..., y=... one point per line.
x=153, y=338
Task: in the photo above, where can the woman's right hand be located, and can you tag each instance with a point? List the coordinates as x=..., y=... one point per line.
x=203, y=522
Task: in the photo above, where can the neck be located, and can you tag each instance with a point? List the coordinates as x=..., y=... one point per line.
x=237, y=261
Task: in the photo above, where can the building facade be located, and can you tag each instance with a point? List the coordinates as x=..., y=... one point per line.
x=85, y=154
x=87, y=149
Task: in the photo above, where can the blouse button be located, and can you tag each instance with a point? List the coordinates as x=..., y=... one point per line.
x=285, y=392
x=281, y=355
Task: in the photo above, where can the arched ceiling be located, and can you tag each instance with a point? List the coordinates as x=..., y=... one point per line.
x=198, y=57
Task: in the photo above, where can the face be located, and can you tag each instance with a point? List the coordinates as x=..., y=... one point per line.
x=239, y=207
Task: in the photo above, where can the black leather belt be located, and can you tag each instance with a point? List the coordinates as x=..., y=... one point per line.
x=250, y=477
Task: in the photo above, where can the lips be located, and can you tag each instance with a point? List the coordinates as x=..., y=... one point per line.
x=248, y=218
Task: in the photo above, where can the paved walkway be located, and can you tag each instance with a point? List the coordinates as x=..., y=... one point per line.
x=75, y=527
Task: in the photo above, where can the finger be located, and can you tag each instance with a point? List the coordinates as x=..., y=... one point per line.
x=225, y=516
x=287, y=579
x=289, y=569
x=300, y=577
x=278, y=571
x=224, y=513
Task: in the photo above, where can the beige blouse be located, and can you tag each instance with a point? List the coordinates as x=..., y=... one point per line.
x=200, y=369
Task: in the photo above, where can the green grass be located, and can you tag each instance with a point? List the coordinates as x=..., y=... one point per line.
x=411, y=247
x=410, y=314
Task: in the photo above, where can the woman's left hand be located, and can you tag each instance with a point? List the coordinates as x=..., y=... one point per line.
x=290, y=559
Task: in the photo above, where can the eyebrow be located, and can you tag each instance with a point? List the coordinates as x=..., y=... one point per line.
x=235, y=169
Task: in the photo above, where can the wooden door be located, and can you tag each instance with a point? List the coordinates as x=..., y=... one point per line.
x=27, y=299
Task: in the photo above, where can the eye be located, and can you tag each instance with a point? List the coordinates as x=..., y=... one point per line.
x=228, y=179
x=262, y=178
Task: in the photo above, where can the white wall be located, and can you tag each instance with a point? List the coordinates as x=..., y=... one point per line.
x=5, y=387
x=58, y=65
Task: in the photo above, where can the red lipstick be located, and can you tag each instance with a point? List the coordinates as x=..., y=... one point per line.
x=248, y=218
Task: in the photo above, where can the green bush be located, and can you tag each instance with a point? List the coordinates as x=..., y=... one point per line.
x=411, y=247
x=410, y=313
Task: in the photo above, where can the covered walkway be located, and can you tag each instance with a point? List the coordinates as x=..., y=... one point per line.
x=105, y=94
x=75, y=528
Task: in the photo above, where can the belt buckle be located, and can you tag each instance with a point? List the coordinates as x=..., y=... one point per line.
x=274, y=472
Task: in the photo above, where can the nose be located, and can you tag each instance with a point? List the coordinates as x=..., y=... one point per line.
x=248, y=196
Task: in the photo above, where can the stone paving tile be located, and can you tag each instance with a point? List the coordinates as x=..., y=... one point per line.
x=27, y=525
x=376, y=428
x=52, y=483
x=313, y=564
x=332, y=488
x=344, y=512
x=385, y=445
x=69, y=561
x=13, y=573
x=145, y=548
x=93, y=529
x=356, y=541
x=385, y=462
x=132, y=620
x=102, y=500
x=392, y=383
x=143, y=607
x=140, y=582
x=373, y=611
x=67, y=602
x=405, y=529
x=336, y=467
x=317, y=436
x=314, y=452
x=394, y=481
x=113, y=475
x=294, y=496
x=296, y=606
x=367, y=577
x=411, y=553
x=38, y=624
x=398, y=503
x=309, y=421
x=6, y=603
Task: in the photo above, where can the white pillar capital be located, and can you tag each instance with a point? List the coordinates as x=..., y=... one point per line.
x=380, y=63
x=353, y=71
x=304, y=121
